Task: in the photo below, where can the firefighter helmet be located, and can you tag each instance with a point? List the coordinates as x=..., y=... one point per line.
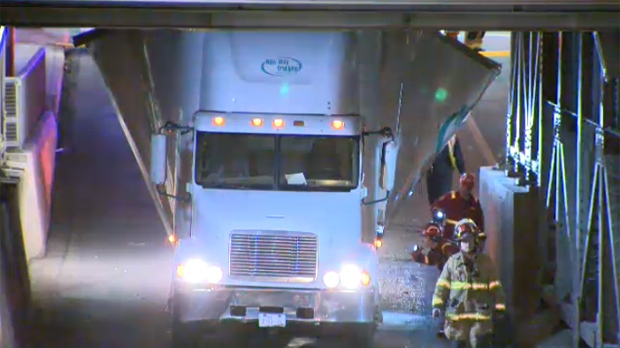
x=433, y=231
x=464, y=227
x=467, y=181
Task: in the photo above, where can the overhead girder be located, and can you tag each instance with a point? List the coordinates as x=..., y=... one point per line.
x=296, y=14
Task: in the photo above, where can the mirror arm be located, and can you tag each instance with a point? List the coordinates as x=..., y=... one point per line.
x=162, y=191
x=385, y=131
x=170, y=127
x=387, y=195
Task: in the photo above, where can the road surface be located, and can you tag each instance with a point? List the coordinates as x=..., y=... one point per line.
x=105, y=280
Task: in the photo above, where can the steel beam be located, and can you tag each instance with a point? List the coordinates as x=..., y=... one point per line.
x=423, y=15
x=581, y=177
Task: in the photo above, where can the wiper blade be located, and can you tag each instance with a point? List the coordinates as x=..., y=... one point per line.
x=224, y=185
x=315, y=188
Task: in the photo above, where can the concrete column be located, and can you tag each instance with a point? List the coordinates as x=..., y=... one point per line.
x=511, y=220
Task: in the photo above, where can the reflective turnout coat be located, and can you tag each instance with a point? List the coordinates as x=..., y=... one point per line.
x=456, y=208
x=469, y=298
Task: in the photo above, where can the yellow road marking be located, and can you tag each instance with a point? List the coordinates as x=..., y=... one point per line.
x=496, y=54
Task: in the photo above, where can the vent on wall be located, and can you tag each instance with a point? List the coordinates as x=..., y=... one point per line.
x=11, y=124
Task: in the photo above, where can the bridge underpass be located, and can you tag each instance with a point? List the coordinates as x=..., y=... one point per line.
x=86, y=250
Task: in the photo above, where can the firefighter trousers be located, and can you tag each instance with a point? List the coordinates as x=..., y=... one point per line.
x=438, y=183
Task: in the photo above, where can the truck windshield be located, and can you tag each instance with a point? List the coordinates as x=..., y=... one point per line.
x=225, y=160
x=253, y=161
x=318, y=163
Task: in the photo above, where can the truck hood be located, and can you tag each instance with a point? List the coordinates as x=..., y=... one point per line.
x=335, y=217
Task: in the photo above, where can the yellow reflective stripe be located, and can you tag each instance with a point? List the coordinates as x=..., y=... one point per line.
x=443, y=283
x=468, y=316
x=469, y=286
x=451, y=222
x=500, y=306
x=437, y=301
x=451, y=154
x=495, y=284
x=426, y=261
x=453, y=195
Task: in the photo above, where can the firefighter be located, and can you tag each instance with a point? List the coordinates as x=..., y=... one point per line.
x=439, y=176
x=473, y=39
x=434, y=250
x=460, y=204
x=468, y=293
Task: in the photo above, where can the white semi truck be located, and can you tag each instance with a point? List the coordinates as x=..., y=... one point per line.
x=276, y=231
x=276, y=155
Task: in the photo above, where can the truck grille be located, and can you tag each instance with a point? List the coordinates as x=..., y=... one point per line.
x=273, y=256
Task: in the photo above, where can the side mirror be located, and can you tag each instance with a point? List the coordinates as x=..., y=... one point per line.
x=158, y=159
x=388, y=165
x=379, y=237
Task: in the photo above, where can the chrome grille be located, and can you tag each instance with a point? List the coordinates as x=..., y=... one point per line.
x=274, y=256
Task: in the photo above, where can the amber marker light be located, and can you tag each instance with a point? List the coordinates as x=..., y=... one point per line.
x=338, y=125
x=181, y=271
x=257, y=122
x=378, y=243
x=278, y=123
x=365, y=278
x=172, y=239
x=219, y=121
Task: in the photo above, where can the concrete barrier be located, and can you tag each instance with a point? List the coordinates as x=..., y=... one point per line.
x=512, y=224
x=31, y=158
x=38, y=158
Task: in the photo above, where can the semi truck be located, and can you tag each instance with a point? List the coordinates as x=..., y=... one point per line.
x=276, y=158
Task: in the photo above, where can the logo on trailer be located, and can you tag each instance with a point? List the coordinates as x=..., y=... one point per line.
x=451, y=125
x=281, y=66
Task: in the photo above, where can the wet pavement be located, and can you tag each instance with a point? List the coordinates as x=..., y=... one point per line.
x=105, y=279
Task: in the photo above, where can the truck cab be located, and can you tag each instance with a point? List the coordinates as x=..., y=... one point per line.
x=276, y=233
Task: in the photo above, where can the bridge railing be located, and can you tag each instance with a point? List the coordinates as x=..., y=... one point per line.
x=563, y=136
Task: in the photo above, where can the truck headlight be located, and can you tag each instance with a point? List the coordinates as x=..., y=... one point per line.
x=198, y=271
x=352, y=277
x=331, y=279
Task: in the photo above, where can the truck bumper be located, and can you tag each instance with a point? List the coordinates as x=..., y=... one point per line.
x=243, y=305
